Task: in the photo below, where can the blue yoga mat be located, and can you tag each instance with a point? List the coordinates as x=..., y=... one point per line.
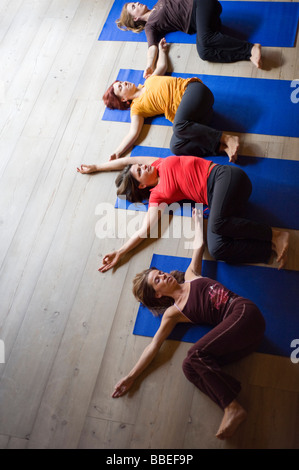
x=274, y=292
x=275, y=196
x=246, y=105
x=272, y=24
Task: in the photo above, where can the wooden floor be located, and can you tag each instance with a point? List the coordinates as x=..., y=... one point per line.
x=67, y=329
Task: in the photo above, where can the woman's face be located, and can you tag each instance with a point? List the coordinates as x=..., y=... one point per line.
x=146, y=175
x=161, y=282
x=125, y=91
x=136, y=10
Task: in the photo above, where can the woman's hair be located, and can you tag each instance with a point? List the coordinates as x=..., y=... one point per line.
x=126, y=22
x=114, y=102
x=145, y=293
x=127, y=186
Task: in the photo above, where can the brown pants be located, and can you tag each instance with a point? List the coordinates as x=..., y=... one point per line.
x=236, y=336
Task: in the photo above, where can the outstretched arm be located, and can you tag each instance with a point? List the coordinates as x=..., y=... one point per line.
x=195, y=267
x=162, y=62
x=130, y=138
x=107, y=166
x=151, y=59
x=115, y=165
x=150, y=220
x=167, y=324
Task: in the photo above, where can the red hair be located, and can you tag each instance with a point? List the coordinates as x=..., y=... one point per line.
x=112, y=101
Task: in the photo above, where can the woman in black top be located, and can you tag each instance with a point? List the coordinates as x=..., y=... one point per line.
x=190, y=16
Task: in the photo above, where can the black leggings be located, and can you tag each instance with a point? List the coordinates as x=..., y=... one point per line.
x=191, y=133
x=212, y=45
x=231, y=237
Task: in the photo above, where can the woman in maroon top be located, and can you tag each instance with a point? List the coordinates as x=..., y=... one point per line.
x=224, y=188
x=238, y=329
x=190, y=16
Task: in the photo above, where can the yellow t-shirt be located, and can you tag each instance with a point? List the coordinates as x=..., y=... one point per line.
x=162, y=95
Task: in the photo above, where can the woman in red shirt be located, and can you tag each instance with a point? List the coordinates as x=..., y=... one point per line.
x=190, y=16
x=224, y=188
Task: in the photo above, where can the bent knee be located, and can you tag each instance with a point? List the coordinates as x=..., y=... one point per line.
x=220, y=253
x=204, y=53
x=217, y=224
x=179, y=127
x=187, y=367
x=174, y=149
x=177, y=145
x=204, y=49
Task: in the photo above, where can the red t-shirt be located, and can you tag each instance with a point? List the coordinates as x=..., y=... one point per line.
x=181, y=178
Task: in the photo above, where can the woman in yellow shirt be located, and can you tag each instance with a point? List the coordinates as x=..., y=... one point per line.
x=187, y=103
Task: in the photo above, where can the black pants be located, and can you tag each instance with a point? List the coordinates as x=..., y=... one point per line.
x=231, y=237
x=212, y=45
x=191, y=133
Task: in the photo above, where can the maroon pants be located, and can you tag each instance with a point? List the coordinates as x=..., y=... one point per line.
x=238, y=335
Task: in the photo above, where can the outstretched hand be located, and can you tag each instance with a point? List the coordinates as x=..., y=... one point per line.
x=109, y=261
x=122, y=387
x=86, y=169
x=163, y=45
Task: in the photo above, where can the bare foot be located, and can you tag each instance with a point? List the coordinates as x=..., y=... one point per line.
x=234, y=415
x=280, y=243
x=256, y=55
x=230, y=145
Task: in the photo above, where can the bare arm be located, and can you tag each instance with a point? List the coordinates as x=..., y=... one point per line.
x=168, y=322
x=130, y=138
x=195, y=267
x=150, y=220
x=115, y=165
x=162, y=62
x=151, y=59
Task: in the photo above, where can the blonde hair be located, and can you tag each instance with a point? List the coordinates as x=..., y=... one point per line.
x=126, y=22
x=145, y=293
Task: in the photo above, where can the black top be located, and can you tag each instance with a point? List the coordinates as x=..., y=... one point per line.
x=168, y=16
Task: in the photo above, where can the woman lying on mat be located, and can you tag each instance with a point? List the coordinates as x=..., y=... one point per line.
x=188, y=103
x=224, y=188
x=190, y=298
x=190, y=16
